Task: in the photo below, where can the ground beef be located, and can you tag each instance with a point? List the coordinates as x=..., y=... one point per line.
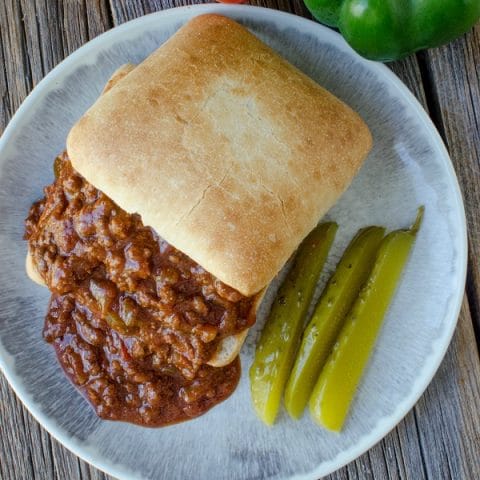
x=133, y=320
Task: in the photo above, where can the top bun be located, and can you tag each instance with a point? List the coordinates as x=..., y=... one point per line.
x=227, y=151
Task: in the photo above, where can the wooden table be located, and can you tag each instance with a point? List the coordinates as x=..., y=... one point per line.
x=37, y=34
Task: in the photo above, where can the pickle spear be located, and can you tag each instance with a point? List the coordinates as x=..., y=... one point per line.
x=336, y=386
x=327, y=320
x=280, y=337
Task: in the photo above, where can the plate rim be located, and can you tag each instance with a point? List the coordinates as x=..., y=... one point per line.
x=309, y=26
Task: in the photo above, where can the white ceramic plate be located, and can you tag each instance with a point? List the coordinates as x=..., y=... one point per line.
x=409, y=166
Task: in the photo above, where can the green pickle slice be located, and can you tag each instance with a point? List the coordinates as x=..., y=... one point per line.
x=280, y=337
x=338, y=381
x=335, y=302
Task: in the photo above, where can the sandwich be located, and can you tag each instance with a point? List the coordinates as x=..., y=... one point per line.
x=182, y=192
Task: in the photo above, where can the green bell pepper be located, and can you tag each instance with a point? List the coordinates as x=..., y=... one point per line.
x=387, y=30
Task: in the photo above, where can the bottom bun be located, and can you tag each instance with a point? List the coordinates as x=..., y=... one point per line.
x=230, y=346
x=32, y=271
x=228, y=349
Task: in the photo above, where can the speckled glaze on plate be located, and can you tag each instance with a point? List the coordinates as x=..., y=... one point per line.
x=409, y=166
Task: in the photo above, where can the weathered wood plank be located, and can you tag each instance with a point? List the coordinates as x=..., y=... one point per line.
x=448, y=419
x=98, y=17
x=41, y=23
x=17, y=64
x=452, y=401
x=24, y=445
x=4, y=103
x=444, y=409
x=454, y=75
x=33, y=39
x=124, y=10
x=87, y=472
x=14, y=439
x=408, y=70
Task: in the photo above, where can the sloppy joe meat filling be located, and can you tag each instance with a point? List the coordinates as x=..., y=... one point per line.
x=133, y=320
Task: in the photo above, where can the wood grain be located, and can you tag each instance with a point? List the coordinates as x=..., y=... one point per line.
x=440, y=437
x=35, y=35
x=453, y=71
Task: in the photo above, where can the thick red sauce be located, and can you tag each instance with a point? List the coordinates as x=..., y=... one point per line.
x=133, y=320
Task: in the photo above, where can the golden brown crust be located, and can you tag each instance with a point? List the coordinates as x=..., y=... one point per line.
x=118, y=74
x=230, y=153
